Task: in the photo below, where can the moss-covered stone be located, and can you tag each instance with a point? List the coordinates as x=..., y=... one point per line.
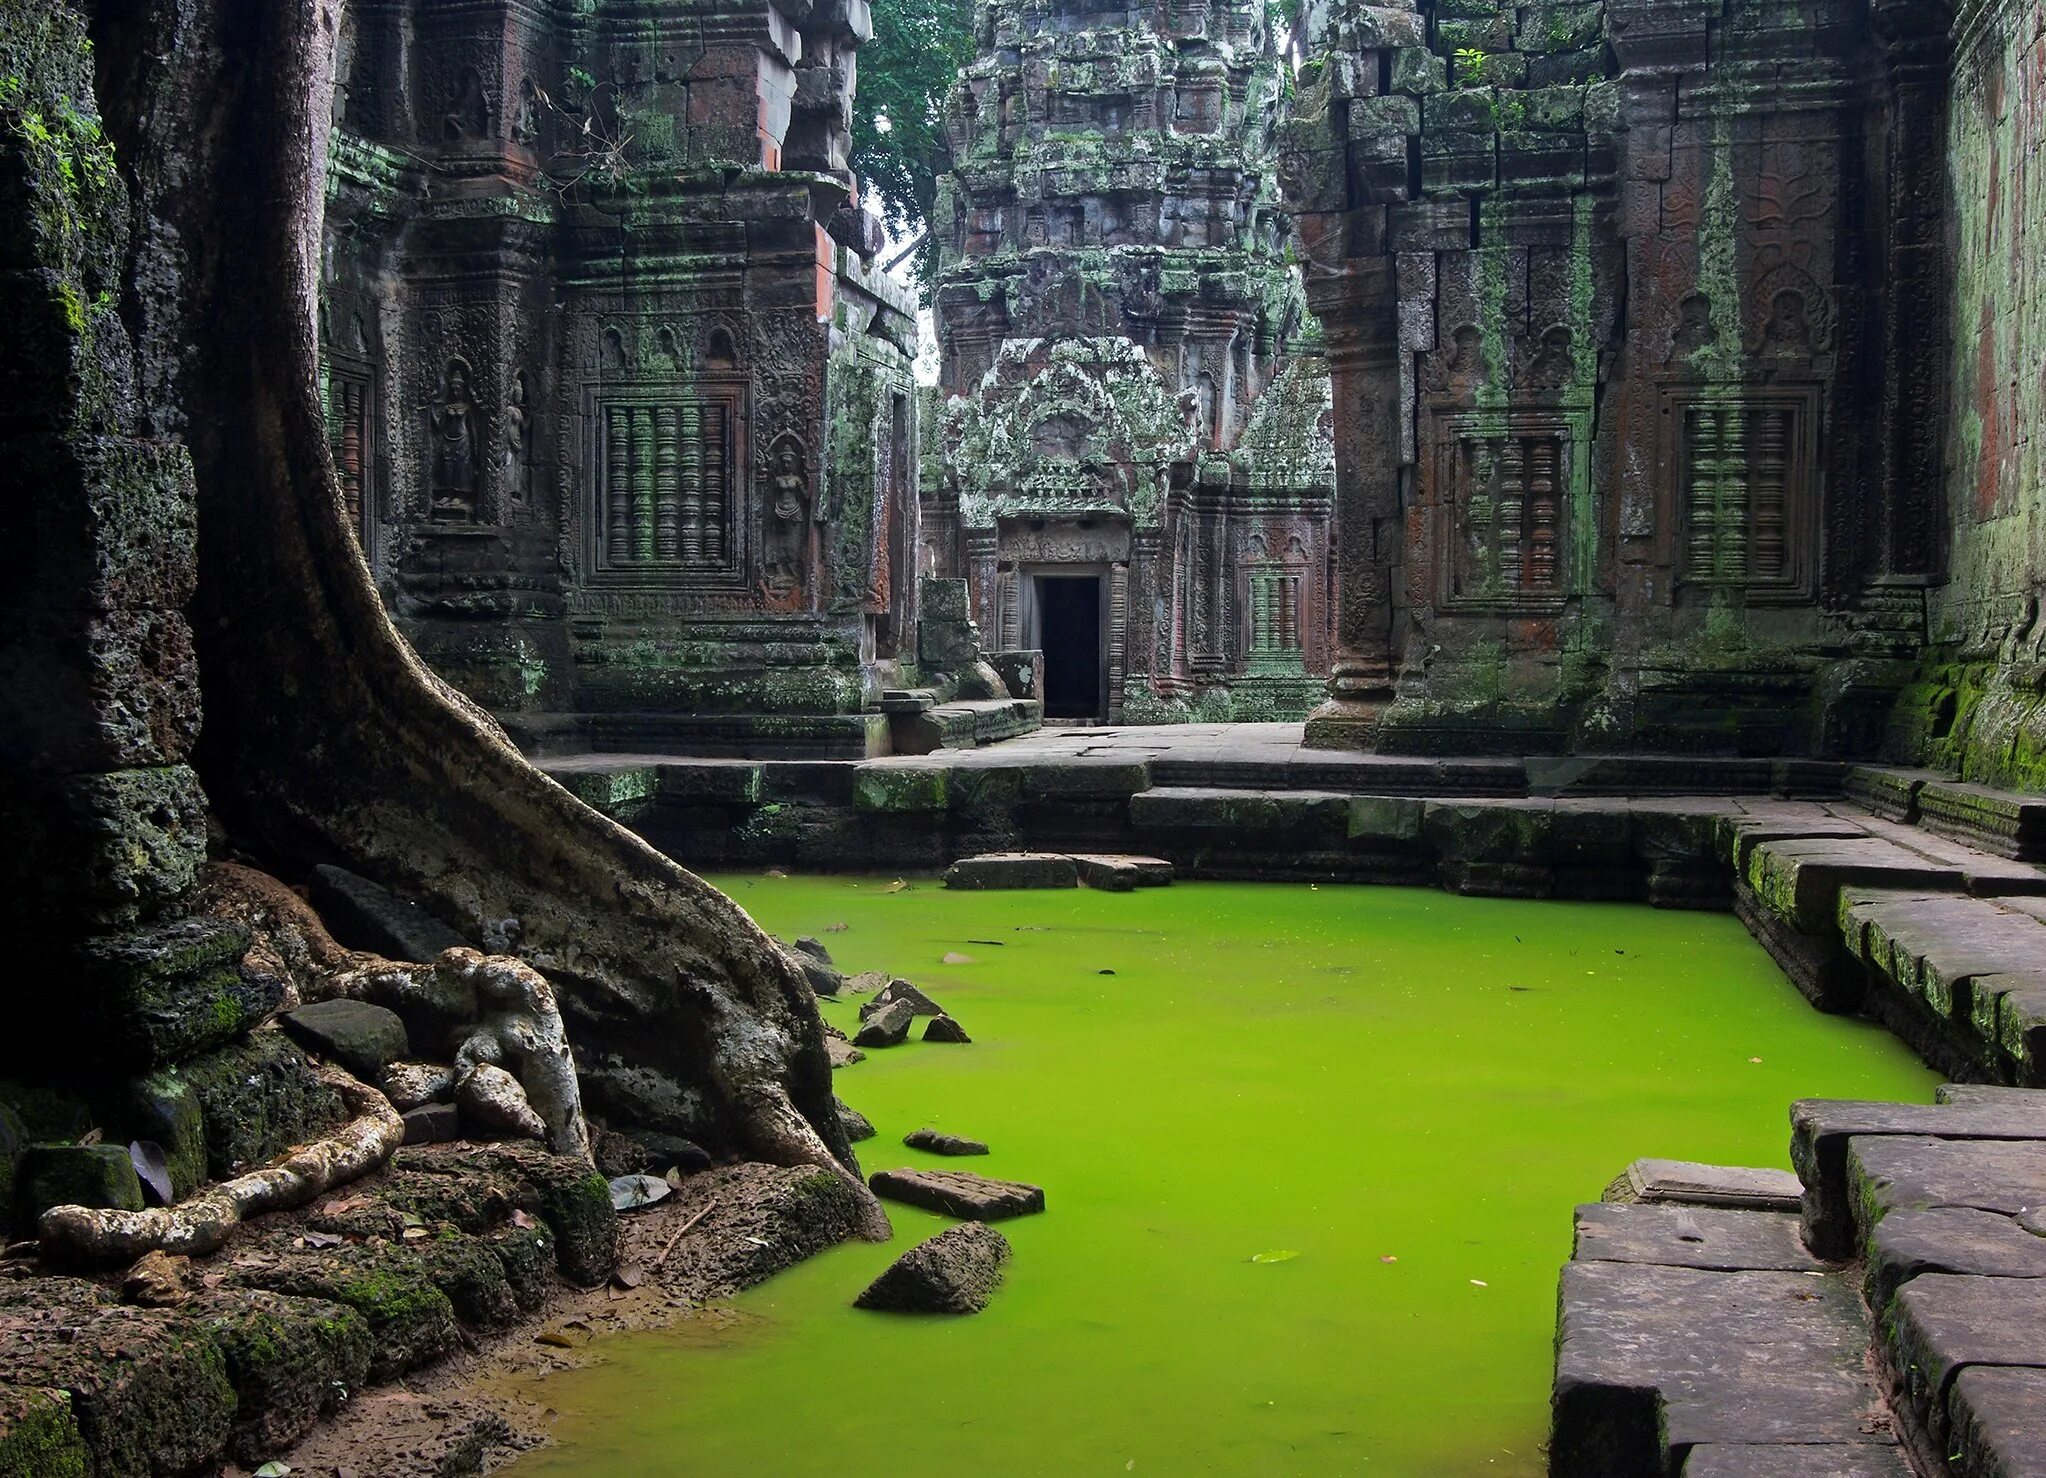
x=39, y=1436
x=411, y=1321
x=75, y=1175
x=258, y=1098
x=291, y=1362
x=162, y=1109
x=149, y=1393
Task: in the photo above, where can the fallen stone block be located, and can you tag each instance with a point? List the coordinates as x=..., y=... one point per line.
x=942, y=1028
x=361, y=1037
x=1115, y=874
x=1710, y=1185
x=955, y=1272
x=958, y=1193
x=1679, y=1236
x=942, y=1144
x=1997, y=821
x=432, y=1123
x=363, y=915
x=887, y=1027
x=901, y=990
x=75, y=1175
x=1014, y=870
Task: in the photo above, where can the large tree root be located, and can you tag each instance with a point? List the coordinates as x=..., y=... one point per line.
x=205, y=1222
x=327, y=739
x=494, y=1016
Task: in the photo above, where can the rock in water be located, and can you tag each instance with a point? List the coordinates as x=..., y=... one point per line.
x=856, y=1125
x=901, y=990
x=363, y=1038
x=943, y=1144
x=812, y=946
x=888, y=1027
x=943, y=1028
x=841, y=1053
x=955, y=1272
x=958, y=1193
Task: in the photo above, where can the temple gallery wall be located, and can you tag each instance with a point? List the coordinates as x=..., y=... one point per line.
x=1462, y=377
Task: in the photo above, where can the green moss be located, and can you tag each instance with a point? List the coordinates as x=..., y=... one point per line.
x=39, y=1436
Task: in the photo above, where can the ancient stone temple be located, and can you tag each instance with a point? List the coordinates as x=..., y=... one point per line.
x=1133, y=469
x=619, y=400
x=1635, y=335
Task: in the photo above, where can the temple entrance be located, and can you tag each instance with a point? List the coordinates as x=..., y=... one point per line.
x=1063, y=619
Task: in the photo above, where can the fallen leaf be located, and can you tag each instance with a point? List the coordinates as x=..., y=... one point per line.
x=1104, y=972
x=274, y=1470
x=897, y=886
x=1754, y=1059
x=1387, y=1257
x=523, y=1220
x=321, y=1239
x=673, y=1176
x=629, y=1275
x=1479, y=1283
x=953, y=957
x=836, y=928
x=411, y=1220
x=152, y=1168
x=1284, y=1255
x=415, y=1234
x=91, y=1136
x=777, y=872
x=630, y=1192
x=553, y=1337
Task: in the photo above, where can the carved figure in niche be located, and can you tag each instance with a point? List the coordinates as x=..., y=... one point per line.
x=1788, y=330
x=1058, y=438
x=1209, y=405
x=611, y=349
x=1694, y=328
x=455, y=462
x=1296, y=550
x=1553, y=363
x=666, y=347
x=1466, y=354
x=469, y=117
x=518, y=443
x=719, y=353
x=788, y=522
x=526, y=129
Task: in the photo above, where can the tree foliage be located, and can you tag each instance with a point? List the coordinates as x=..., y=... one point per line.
x=900, y=150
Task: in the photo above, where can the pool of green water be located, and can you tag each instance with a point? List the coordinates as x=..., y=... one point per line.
x=1309, y=1155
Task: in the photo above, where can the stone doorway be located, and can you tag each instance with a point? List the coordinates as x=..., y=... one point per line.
x=1064, y=617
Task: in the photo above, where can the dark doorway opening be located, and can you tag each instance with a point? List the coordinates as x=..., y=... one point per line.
x=1069, y=632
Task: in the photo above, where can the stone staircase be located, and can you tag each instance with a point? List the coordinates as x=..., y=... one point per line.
x=1894, y=1322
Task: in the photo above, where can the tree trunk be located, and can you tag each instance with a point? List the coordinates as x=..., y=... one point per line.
x=326, y=738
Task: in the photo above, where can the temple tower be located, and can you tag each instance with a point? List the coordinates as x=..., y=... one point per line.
x=620, y=401
x=1133, y=465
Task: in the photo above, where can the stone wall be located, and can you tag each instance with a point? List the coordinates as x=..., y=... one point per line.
x=618, y=397
x=1980, y=704
x=1630, y=404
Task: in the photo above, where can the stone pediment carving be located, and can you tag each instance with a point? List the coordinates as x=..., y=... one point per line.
x=1082, y=426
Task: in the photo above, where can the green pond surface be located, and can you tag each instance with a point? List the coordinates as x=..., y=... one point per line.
x=1310, y=1156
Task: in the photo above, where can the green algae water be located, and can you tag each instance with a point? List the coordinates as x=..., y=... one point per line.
x=1309, y=1156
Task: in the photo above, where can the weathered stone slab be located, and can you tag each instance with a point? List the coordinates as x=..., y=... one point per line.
x=1889, y=792
x=1821, y=1128
x=1014, y=870
x=1889, y=1173
x=1996, y=1423
x=1650, y=1360
x=1306, y=816
x=1117, y=874
x=2020, y=1025
x=1680, y=1236
x=1740, y=833
x=1985, y=872
x=1800, y=878
x=1949, y=1239
x=1795, y=1460
x=958, y=1193
x=1942, y=1322
x=955, y=1272
x=1714, y=1185
x=1983, y=1095
x=1998, y=821
x=1823, y=972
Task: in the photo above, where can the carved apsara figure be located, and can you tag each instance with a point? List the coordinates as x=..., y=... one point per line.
x=788, y=523
x=455, y=462
x=518, y=442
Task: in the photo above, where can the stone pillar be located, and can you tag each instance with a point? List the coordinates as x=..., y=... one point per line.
x=1346, y=158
